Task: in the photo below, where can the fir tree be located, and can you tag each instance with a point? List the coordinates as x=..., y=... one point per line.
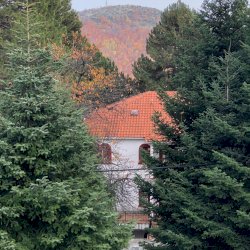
x=201, y=191
x=57, y=17
x=5, y=33
x=227, y=22
x=51, y=195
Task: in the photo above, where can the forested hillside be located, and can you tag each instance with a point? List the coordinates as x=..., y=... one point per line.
x=120, y=32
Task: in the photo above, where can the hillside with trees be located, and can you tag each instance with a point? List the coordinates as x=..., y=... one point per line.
x=120, y=32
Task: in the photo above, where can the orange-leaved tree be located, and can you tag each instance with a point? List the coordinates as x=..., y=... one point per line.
x=94, y=80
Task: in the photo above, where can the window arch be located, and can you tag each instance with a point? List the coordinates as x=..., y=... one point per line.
x=143, y=148
x=105, y=153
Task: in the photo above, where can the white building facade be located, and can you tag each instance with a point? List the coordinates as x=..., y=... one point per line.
x=125, y=129
x=125, y=165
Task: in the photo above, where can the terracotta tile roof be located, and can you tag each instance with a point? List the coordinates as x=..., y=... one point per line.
x=129, y=118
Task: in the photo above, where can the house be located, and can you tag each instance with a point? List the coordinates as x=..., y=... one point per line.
x=124, y=129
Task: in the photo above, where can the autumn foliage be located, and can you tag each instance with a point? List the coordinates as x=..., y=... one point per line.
x=93, y=79
x=120, y=32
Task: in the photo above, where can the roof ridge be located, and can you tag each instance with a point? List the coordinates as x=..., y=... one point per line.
x=137, y=96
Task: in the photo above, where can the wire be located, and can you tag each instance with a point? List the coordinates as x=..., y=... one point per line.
x=148, y=169
x=126, y=169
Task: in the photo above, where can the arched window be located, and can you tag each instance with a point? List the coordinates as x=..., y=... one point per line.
x=105, y=153
x=143, y=148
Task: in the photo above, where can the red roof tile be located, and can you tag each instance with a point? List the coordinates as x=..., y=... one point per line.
x=129, y=118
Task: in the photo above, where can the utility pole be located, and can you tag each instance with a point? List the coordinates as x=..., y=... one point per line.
x=106, y=3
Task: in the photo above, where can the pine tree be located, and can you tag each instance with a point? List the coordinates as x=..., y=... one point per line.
x=201, y=191
x=50, y=193
x=165, y=43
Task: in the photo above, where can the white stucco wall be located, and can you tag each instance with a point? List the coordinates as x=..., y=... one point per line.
x=125, y=156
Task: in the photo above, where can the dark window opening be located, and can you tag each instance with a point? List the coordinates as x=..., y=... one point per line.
x=139, y=233
x=143, y=148
x=105, y=153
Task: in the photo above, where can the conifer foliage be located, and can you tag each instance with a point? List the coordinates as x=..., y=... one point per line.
x=163, y=46
x=200, y=193
x=51, y=196
x=56, y=16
